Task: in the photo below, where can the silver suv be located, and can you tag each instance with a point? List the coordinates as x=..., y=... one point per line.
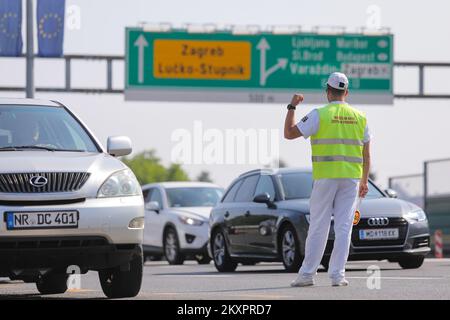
x=65, y=203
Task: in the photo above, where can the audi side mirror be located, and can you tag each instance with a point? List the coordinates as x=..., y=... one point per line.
x=264, y=198
x=391, y=193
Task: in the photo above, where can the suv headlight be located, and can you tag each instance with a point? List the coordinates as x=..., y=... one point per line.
x=190, y=221
x=415, y=216
x=120, y=184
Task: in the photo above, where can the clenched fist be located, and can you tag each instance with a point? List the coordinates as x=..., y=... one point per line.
x=297, y=99
x=363, y=189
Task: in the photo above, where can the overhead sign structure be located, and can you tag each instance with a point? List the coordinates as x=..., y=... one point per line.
x=263, y=67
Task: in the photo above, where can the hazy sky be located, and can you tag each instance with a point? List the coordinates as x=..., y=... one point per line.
x=404, y=134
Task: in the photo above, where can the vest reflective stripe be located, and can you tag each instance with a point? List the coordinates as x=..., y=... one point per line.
x=336, y=158
x=337, y=147
x=349, y=142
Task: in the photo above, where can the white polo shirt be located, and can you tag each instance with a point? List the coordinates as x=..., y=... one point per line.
x=309, y=125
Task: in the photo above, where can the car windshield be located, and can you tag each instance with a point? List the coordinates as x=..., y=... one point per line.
x=42, y=128
x=298, y=185
x=193, y=196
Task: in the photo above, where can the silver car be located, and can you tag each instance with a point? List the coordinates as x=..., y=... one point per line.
x=66, y=204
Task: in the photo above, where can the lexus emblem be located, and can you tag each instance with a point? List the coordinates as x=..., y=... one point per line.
x=378, y=222
x=38, y=181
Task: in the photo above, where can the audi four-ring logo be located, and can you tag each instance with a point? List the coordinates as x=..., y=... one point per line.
x=378, y=222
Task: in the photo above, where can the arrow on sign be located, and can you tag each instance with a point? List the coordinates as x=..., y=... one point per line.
x=141, y=43
x=263, y=46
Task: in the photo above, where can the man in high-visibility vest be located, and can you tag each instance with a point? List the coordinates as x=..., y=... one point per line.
x=340, y=143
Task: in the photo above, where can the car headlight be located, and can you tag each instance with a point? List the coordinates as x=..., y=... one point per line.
x=190, y=221
x=415, y=216
x=120, y=184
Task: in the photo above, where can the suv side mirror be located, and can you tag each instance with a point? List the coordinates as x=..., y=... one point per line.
x=119, y=146
x=391, y=193
x=264, y=198
x=153, y=206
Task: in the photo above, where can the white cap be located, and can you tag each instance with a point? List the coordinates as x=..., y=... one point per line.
x=338, y=81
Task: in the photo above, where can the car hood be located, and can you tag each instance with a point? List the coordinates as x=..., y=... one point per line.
x=382, y=207
x=99, y=165
x=201, y=213
x=386, y=207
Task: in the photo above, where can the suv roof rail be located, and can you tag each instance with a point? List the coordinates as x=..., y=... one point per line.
x=58, y=103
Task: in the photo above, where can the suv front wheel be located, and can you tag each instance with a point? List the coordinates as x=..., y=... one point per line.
x=52, y=284
x=172, y=249
x=123, y=284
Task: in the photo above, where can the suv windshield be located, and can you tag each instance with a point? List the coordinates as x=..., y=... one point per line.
x=193, y=196
x=42, y=128
x=298, y=185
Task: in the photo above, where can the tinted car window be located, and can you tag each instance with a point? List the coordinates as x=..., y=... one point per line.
x=299, y=185
x=145, y=194
x=232, y=192
x=247, y=189
x=37, y=126
x=373, y=192
x=155, y=196
x=193, y=196
x=265, y=184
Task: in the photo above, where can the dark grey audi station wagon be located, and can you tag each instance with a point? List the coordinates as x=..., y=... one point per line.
x=264, y=216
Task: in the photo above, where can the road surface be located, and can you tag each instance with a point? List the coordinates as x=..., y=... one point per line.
x=266, y=281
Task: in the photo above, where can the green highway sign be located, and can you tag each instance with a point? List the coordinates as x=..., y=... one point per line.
x=264, y=67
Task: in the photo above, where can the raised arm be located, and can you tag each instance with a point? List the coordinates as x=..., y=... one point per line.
x=290, y=125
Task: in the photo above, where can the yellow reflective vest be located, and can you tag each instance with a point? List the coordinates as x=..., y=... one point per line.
x=337, y=147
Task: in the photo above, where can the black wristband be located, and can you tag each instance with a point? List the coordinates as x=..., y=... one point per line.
x=291, y=107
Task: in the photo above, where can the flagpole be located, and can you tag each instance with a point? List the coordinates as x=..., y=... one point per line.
x=30, y=51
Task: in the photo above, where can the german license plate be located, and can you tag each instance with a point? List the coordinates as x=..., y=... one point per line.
x=41, y=220
x=378, y=234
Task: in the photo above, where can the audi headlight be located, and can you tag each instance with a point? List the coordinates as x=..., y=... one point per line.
x=120, y=184
x=415, y=216
x=190, y=221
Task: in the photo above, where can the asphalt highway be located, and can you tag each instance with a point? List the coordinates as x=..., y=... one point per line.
x=266, y=281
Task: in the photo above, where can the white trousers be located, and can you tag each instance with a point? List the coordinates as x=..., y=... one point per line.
x=337, y=197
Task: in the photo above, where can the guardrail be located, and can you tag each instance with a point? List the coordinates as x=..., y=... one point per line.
x=109, y=59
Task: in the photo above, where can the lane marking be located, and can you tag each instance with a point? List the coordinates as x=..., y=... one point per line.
x=401, y=278
x=80, y=290
x=193, y=276
x=260, y=296
x=438, y=260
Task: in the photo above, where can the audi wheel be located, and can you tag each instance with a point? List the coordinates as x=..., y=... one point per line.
x=222, y=259
x=290, y=249
x=411, y=262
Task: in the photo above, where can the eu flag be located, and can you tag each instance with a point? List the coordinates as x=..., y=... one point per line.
x=50, y=21
x=11, y=28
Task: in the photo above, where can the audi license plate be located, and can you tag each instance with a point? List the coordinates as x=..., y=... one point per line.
x=378, y=234
x=41, y=220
